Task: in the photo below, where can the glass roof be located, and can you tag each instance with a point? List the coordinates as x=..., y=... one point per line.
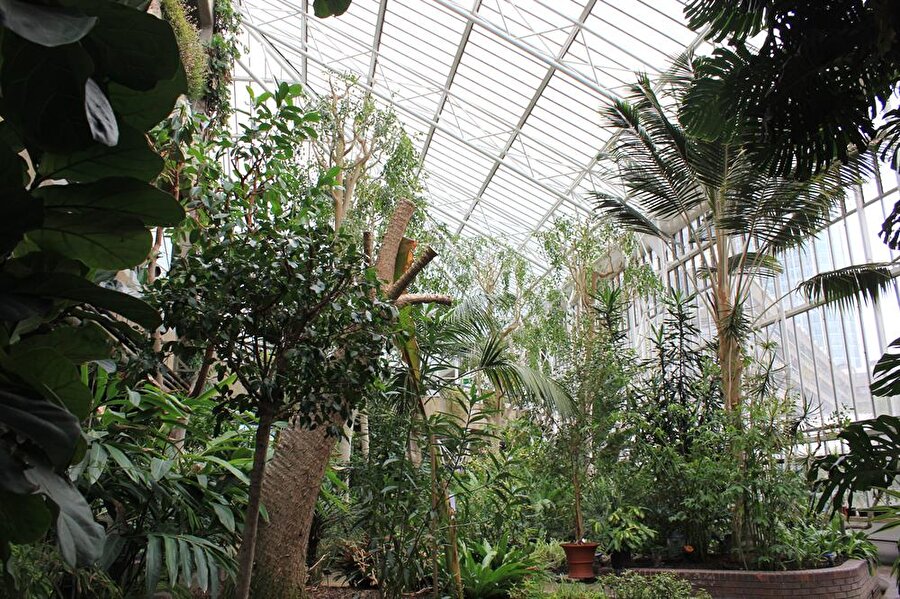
x=499, y=96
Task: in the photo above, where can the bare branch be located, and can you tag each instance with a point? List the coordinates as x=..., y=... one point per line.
x=396, y=289
x=410, y=299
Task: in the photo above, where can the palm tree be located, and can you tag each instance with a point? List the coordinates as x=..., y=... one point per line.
x=470, y=343
x=738, y=217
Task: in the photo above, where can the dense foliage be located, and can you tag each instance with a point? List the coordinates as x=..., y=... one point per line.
x=474, y=438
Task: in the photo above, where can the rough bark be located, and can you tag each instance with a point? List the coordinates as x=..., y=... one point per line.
x=289, y=493
x=387, y=254
x=409, y=299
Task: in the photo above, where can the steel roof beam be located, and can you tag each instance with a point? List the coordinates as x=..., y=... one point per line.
x=376, y=42
x=538, y=93
x=445, y=93
x=424, y=119
x=528, y=49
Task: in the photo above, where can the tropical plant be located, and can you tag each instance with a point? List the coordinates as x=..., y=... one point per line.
x=806, y=94
x=274, y=292
x=490, y=571
x=623, y=530
x=83, y=82
x=871, y=463
x=737, y=216
x=812, y=545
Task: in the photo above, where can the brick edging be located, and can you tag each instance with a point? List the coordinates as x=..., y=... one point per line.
x=850, y=580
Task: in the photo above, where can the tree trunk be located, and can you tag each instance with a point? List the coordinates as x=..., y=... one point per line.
x=289, y=493
x=251, y=521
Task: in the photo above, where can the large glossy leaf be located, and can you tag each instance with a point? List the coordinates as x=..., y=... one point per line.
x=23, y=518
x=145, y=109
x=115, y=195
x=328, y=8
x=131, y=47
x=47, y=425
x=65, y=286
x=12, y=475
x=21, y=214
x=131, y=157
x=53, y=376
x=80, y=538
x=101, y=118
x=45, y=25
x=78, y=344
x=43, y=93
x=100, y=240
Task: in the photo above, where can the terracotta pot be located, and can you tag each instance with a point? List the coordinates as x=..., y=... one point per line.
x=580, y=559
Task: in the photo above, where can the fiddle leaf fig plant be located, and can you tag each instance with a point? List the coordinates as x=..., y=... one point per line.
x=82, y=82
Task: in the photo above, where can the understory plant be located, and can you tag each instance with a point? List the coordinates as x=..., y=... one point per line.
x=490, y=571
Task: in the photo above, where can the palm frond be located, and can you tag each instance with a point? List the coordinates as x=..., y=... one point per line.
x=619, y=211
x=846, y=287
x=886, y=374
x=492, y=356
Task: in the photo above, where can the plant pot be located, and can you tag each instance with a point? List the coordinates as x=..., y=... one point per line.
x=580, y=559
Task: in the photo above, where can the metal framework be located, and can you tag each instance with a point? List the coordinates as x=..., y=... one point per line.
x=500, y=96
x=501, y=99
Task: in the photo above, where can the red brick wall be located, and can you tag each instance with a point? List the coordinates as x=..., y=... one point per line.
x=850, y=580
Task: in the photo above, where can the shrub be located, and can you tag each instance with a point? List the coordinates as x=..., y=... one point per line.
x=634, y=586
x=548, y=556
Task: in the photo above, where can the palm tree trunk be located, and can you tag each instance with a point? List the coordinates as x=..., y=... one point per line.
x=290, y=491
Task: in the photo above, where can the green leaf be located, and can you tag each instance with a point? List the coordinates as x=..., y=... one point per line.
x=153, y=564
x=23, y=518
x=131, y=47
x=145, y=109
x=202, y=568
x=12, y=475
x=45, y=25
x=78, y=344
x=131, y=157
x=124, y=463
x=327, y=8
x=171, y=559
x=100, y=240
x=184, y=552
x=80, y=538
x=43, y=94
x=159, y=468
x=846, y=287
x=79, y=290
x=53, y=376
x=225, y=515
x=118, y=195
x=101, y=118
x=886, y=374
x=47, y=425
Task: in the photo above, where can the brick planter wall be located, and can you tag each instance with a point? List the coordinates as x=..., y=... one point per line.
x=850, y=580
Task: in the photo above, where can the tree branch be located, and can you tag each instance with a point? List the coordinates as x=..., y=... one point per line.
x=410, y=299
x=396, y=289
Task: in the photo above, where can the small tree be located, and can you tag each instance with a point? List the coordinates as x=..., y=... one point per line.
x=286, y=305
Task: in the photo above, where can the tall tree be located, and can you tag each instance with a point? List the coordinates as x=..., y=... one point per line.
x=296, y=471
x=737, y=216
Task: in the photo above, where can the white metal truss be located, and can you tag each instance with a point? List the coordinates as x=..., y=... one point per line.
x=500, y=96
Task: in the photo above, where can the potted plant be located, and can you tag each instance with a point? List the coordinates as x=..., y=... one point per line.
x=580, y=553
x=622, y=532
